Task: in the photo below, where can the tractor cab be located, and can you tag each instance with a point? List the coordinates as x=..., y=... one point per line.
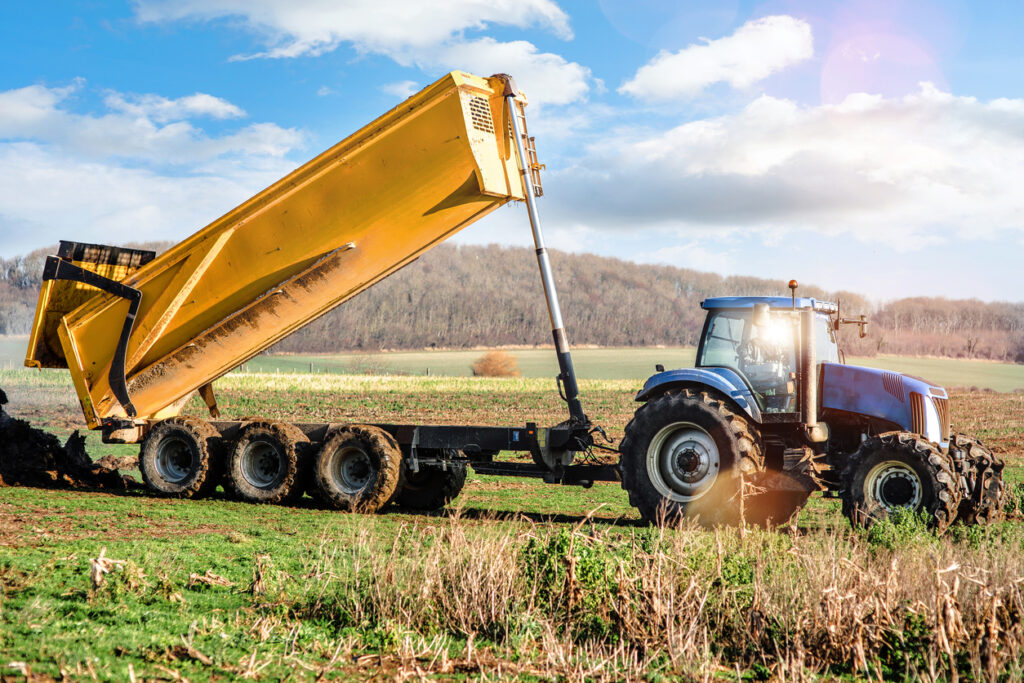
x=758, y=339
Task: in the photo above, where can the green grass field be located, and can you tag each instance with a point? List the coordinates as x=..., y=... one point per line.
x=623, y=363
x=626, y=363
x=12, y=351
x=516, y=580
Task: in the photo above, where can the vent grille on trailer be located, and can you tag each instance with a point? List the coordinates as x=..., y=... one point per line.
x=917, y=417
x=480, y=112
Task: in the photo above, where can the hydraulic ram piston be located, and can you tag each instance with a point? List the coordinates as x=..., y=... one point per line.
x=567, y=373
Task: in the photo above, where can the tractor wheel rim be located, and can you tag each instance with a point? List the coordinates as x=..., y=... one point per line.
x=683, y=461
x=261, y=464
x=895, y=484
x=352, y=469
x=174, y=460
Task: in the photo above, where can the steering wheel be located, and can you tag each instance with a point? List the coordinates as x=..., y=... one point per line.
x=753, y=350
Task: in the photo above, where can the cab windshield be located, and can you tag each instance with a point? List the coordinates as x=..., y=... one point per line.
x=764, y=354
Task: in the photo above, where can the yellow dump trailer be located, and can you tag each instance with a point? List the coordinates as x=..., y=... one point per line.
x=140, y=334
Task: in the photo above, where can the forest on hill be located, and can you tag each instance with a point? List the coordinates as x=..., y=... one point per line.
x=472, y=296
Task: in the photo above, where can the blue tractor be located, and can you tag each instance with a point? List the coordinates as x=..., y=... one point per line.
x=771, y=413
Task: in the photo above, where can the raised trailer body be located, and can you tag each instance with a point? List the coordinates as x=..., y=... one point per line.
x=325, y=232
x=140, y=333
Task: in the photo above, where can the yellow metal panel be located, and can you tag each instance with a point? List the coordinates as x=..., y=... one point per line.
x=325, y=232
x=56, y=299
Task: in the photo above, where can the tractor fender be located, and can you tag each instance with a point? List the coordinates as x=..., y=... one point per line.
x=722, y=380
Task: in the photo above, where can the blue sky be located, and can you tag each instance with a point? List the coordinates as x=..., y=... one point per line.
x=870, y=146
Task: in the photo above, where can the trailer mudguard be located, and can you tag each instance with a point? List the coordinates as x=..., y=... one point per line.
x=722, y=380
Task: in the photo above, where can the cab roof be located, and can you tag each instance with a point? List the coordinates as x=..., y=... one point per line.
x=773, y=301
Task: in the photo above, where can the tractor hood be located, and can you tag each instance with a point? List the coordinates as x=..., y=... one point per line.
x=910, y=402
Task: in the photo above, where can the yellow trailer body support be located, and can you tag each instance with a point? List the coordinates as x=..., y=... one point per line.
x=333, y=227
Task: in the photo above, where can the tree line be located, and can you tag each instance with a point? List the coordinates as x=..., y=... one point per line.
x=473, y=296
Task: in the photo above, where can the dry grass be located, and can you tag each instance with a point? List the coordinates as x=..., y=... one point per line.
x=596, y=603
x=496, y=364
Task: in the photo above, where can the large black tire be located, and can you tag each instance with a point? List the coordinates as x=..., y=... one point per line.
x=431, y=488
x=899, y=469
x=983, y=501
x=267, y=463
x=689, y=454
x=358, y=469
x=179, y=456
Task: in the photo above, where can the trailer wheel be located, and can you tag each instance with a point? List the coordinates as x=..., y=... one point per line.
x=983, y=501
x=178, y=458
x=899, y=469
x=357, y=469
x=687, y=454
x=266, y=463
x=431, y=488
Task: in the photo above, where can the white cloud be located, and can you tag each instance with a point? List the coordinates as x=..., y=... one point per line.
x=411, y=32
x=120, y=175
x=161, y=109
x=400, y=89
x=545, y=77
x=755, y=51
x=132, y=128
x=705, y=256
x=900, y=172
x=46, y=196
x=292, y=28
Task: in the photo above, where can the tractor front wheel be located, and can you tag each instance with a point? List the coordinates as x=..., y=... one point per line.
x=986, y=490
x=688, y=454
x=899, y=470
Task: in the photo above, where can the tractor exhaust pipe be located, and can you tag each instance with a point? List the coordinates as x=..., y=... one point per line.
x=567, y=373
x=814, y=431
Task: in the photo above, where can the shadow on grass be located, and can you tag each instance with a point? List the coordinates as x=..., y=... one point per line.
x=487, y=515
x=308, y=503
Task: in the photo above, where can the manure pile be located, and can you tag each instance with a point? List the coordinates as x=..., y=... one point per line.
x=32, y=457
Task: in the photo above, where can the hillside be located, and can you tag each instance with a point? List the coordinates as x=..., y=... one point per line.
x=459, y=297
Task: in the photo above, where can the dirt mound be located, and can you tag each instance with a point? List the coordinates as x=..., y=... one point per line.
x=32, y=457
x=112, y=462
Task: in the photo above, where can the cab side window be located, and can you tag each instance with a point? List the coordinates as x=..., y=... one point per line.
x=725, y=333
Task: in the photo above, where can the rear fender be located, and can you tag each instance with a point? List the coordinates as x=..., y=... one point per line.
x=720, y=380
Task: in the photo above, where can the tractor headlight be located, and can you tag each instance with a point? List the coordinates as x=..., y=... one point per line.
x=932, y=424
x=925, y=418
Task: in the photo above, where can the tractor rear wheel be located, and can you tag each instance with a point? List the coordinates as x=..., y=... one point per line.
x=899, y=470
x=986, y=491
x=178, y=458
x=357, y=469
x=431, y=488
x=689, y=454
x=267, y=463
